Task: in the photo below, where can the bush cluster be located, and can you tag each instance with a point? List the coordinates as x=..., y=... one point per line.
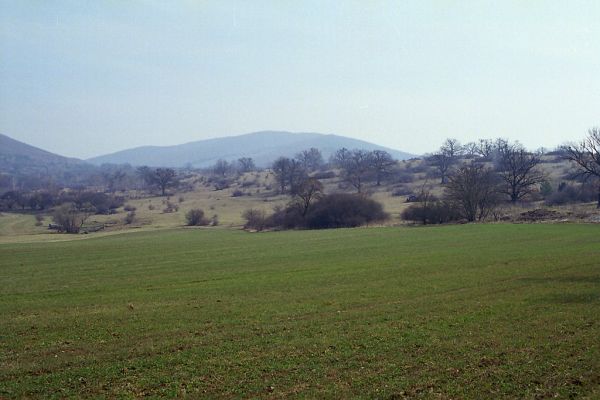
x=339, y=210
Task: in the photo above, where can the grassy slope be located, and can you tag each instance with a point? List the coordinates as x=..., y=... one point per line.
x=463, y=311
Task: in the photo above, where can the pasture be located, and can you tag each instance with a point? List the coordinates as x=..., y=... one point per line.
x=470, y=311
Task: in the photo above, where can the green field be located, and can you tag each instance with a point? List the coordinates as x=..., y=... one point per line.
x=472, y=311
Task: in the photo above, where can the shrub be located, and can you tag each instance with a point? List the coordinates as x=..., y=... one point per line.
x=324, y=175
x=344, y=210
x=171, y=208
x=195, y=217
x=214, y=220
x=129, y=207
x=130, y=217
x=237, y=193
x=255, y=219
x=70, y=218
x=39, y=220
x=571, y=194
x=433, y=212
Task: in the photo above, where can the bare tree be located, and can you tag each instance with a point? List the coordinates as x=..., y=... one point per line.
x=288, y=173
x=221, y=168
x=473, y=191
x=381, y=163
x=164, y=178
x=518, y=169
x=311, y=159
x=485, y=148
x=245, y=164
x=113, y=179
x=355, y=166
x=309, y=191
x=586, y=155
x=70, y=218
x=442, y=162
x=470, y=149
x=281, y=168
x=452, y=148
x=446, y=157
x=340, y=157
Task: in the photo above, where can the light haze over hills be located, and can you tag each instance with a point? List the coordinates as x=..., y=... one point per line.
x=264, y=147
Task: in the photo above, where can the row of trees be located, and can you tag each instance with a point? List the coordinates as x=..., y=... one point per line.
x=515, y=166
x=357, y=167
x=474, y=190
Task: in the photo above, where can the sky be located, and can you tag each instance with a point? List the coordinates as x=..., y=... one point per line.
x=85, y=78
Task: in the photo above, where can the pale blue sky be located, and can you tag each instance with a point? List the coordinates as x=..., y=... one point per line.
x=85, y=78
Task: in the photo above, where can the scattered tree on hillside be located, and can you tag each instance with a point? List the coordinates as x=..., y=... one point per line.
x=446, y=157
x=113, y=179
x=442, y=162
x=381, y=163
x=164, y=178
x=70, y=218
x=473, y=191
x=485, y=148
x=245, y=164
x=311, y=159
x=586, y=155
x=288, y=174
x=340, y=157
x=308, y=192
x=452, y=148
x=221, y=168
x=518, y=170
x=280, y=169
x=355, y=166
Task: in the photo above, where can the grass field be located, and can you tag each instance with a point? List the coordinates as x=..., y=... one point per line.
x=472, y=311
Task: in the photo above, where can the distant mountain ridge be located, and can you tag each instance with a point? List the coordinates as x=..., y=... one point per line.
x=264, y=147
x=19, y=157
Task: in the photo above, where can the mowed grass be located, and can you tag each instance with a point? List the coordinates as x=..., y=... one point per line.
x=472, y=311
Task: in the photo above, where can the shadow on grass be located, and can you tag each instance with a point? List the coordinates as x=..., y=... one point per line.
x=591, y=279
x=572, y=298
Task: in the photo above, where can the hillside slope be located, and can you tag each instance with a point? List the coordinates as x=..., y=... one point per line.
x=263, y=147
x=19, y=157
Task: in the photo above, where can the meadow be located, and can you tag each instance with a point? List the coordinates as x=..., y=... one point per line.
x=464, y=311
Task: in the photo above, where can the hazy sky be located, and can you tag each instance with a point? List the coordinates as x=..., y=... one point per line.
x=84, y=78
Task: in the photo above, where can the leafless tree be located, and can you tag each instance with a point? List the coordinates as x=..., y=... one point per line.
x=311, y=159
x=355, y=166
x=446, y=157
x=288, y=173
x=470, y=149
x=245, y=164
x=164, y=178
x=381, y=163
x=473, y=191
x=309, y=191
x=586, y=155
x=485, y=148
x=518, y=169
x=221, y=168
x=113, y=179
x=452, y=148
x=70, y=218
x=442, y=161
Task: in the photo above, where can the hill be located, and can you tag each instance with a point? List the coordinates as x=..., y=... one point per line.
x=263, y=147
x=19, y=157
